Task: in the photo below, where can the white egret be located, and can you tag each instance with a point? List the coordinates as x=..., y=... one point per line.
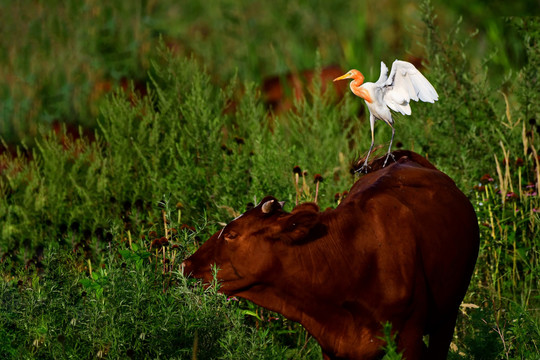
x=404, y=84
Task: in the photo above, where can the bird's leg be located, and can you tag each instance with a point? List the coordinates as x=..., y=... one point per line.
x=389, y=154
x=365, y=165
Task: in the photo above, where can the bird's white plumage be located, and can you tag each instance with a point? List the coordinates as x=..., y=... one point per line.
x=393, y=92
x=384, y=74
x=404, y=84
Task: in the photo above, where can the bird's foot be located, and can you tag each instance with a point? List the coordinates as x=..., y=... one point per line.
x=364, y=168
x=387, y=156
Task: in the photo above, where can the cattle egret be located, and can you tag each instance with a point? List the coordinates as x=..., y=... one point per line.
x=404, y=84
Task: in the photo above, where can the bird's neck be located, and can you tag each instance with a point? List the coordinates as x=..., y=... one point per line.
x=358, y=80
x=360, y=91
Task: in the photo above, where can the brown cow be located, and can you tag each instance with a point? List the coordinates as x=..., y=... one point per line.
x=401, y=248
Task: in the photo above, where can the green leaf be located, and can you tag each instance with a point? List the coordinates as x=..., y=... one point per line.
x=251, y=313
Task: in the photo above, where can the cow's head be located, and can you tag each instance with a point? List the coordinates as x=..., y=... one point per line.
x=250, y=250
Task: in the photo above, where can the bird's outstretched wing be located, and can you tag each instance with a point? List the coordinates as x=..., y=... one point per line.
x=384, y=74
x=404, y=84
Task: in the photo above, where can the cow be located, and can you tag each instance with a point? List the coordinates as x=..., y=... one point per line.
x=400, y=248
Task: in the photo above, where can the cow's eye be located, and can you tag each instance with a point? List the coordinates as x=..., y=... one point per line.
x=230, y=236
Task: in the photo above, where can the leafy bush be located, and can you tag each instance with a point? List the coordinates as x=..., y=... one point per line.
x=122, y=311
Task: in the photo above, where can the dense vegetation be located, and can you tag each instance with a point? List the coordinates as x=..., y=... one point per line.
x=94, y=223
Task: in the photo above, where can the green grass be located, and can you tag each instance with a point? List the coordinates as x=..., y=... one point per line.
x=85, y=270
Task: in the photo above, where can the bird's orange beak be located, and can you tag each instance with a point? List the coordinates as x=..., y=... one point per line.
x=343, y=77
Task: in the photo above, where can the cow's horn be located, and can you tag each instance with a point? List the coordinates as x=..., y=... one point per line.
x=267, y=206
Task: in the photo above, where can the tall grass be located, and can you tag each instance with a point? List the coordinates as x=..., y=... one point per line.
x=502, y=319
x=123, y=312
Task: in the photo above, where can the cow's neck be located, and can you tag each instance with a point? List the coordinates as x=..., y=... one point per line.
x=330, y=324
x=324, y=317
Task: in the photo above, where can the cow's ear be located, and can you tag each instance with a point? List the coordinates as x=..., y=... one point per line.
x=301, y=224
